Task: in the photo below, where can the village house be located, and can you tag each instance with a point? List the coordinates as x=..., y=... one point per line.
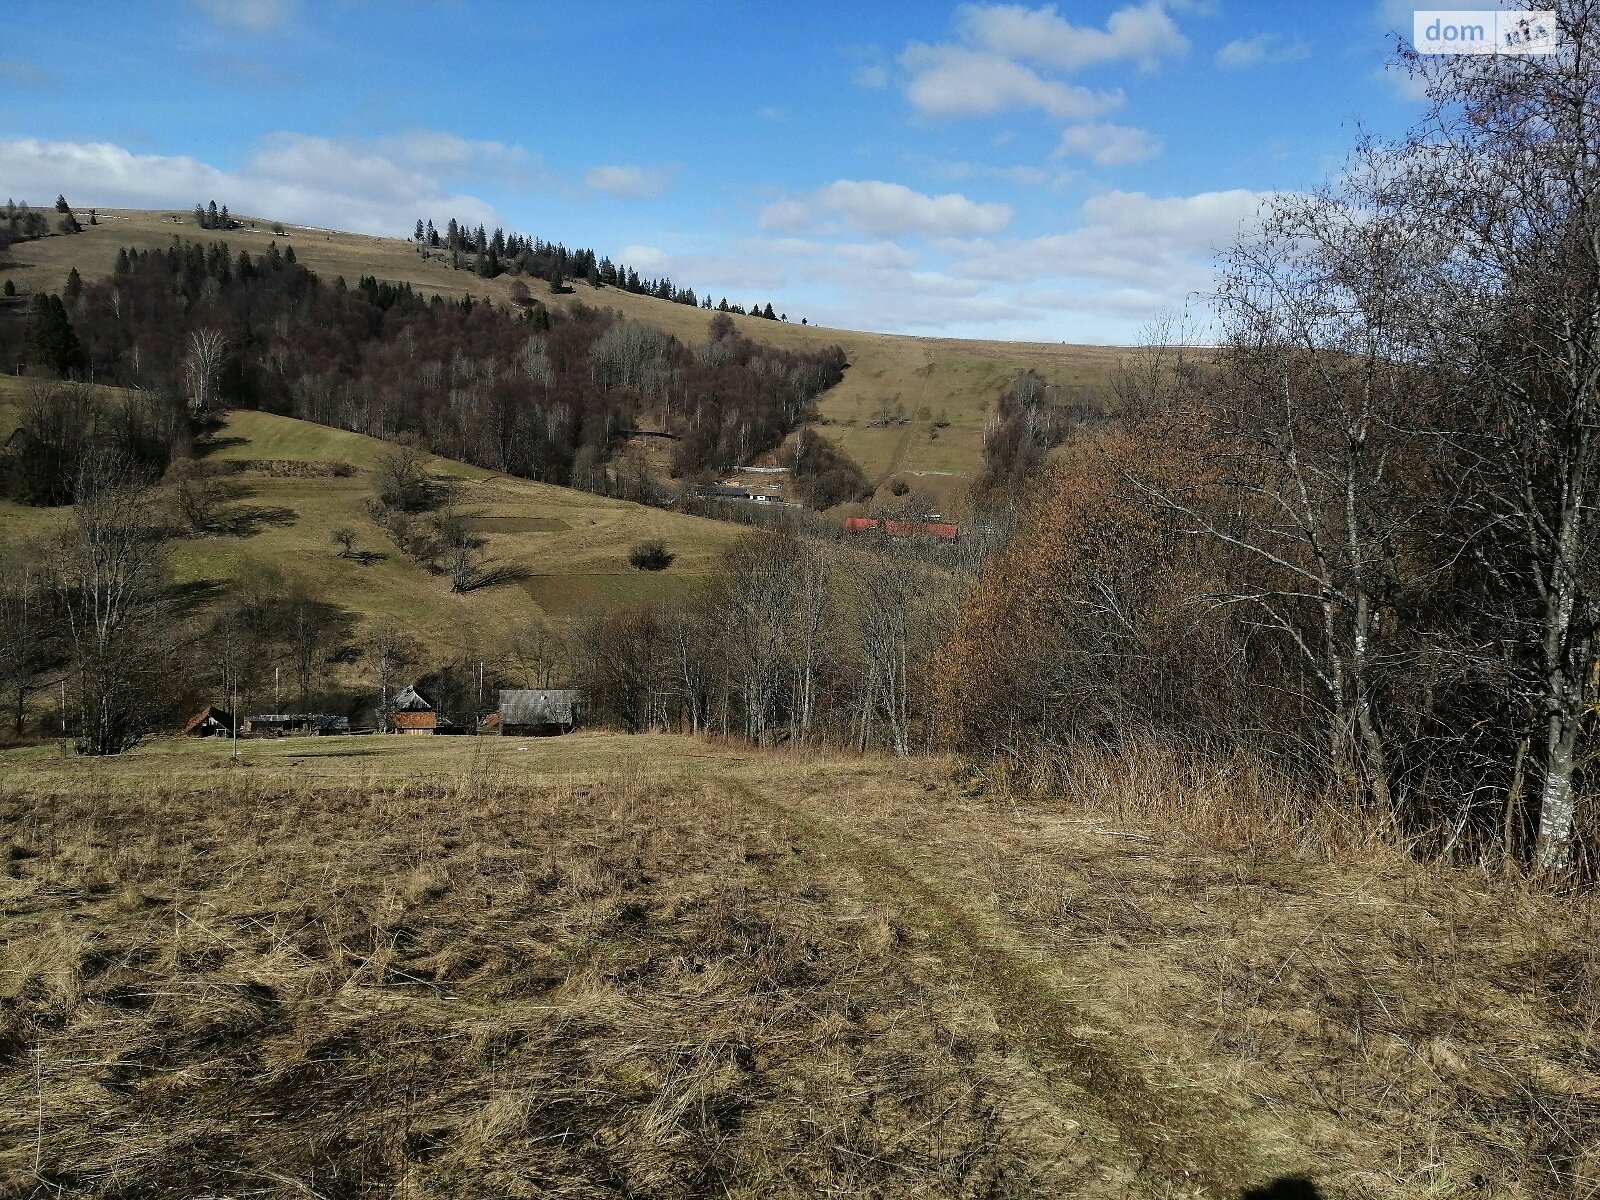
x=411, y=713
x=534, y=712
x=210, y=721
x=295, y=725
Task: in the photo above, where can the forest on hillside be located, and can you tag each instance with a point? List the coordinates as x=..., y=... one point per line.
x=520, y=389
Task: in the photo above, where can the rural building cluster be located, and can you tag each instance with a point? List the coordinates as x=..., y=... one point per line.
x=521, y=712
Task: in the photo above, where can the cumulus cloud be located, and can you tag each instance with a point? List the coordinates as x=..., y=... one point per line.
x=1109, y=145
x=378, y=187
x=252, y=16
x=1242, y=53
x=631, y=183
x=953, y=81
x=1132, y=239
x=1142, y=33
x=887, y=210
x=1002, y=50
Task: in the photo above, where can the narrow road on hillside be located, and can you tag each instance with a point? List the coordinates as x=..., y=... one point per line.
x=902, y=444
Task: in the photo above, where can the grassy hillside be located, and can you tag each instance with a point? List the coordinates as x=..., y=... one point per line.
x=567, y=549
x=933, y=379
x=656, y=966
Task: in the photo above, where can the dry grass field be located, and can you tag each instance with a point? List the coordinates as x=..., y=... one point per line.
x=933, y=379
x=655, y=966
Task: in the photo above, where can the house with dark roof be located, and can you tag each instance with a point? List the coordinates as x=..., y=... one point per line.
x=535, y=712
x=210, y=721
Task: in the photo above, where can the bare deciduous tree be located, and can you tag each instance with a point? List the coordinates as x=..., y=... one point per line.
x=202, y=371
x=110, y=582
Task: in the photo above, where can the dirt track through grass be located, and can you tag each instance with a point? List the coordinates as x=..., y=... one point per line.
x=1171, y=1133
x=656, y=966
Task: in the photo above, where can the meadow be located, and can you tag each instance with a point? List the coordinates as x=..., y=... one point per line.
x=291, y=484
x=660, y=966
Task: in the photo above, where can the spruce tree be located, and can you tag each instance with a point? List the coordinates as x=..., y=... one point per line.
x=10, y=288
x=52, y=344
x=211, y=215
x=123, y=265
x=74, y=287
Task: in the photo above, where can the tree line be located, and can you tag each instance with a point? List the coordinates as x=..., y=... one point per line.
x=24, y=224
x=531, y=392
x=499, y=253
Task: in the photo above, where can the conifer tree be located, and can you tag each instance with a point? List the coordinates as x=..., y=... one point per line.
x=52, y=344
x=74, y=287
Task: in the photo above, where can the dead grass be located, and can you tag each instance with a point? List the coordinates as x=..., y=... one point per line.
x=474, y=987
x=660, y=967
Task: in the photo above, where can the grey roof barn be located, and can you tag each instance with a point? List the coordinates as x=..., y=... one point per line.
x=535, y=706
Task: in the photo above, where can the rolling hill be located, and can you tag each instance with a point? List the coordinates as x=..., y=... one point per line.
x=931, y=380
x=565, y=552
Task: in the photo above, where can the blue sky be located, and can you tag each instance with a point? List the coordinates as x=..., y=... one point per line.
x=1059, y=172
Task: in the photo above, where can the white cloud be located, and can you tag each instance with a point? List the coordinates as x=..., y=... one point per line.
x=633, y=183
x=1133, y=239
x=368, y=187
x=1142, y=33
x=253, y=16
x=1109, y=145
x=873, y=77
x=953, y=81
x=887, y=210
x=1263, y=48
x=876, y=254
x=995, y=64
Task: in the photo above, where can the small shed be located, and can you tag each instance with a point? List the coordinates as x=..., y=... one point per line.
x=210, y=721
x=536, y=712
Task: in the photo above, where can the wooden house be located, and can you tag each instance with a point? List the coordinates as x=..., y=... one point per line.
x=535, y=712
x=210, y=721
x=411, y=713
